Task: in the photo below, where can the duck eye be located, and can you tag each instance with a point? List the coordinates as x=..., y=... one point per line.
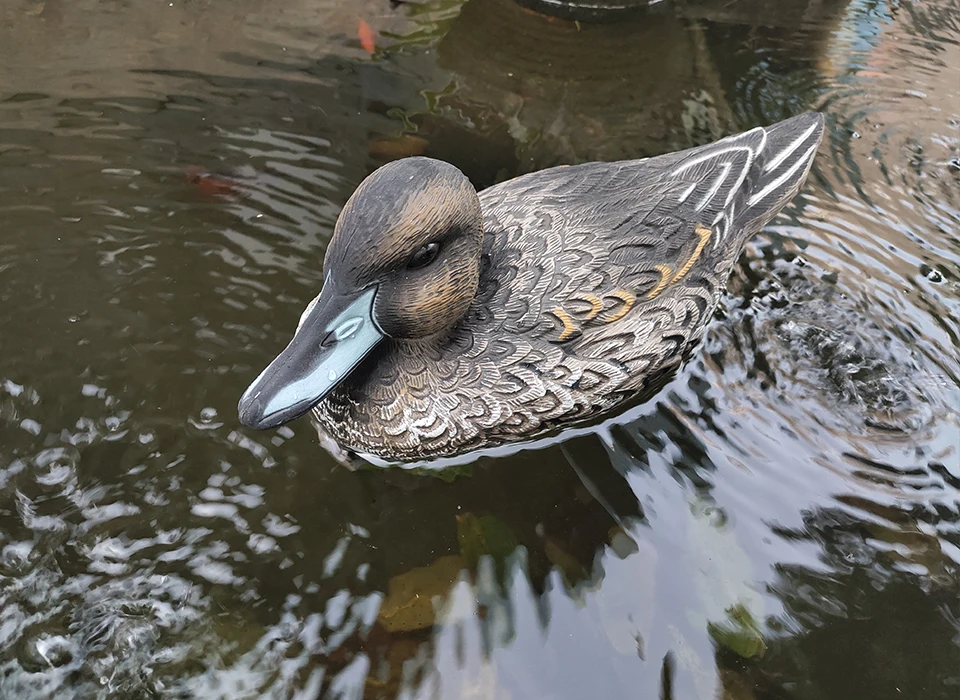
x=424, y=256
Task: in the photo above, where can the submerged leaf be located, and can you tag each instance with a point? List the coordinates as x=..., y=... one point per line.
x=739, y=633
x=729, y=602
x=484, y=535
x=409, y=603
x=572, y=570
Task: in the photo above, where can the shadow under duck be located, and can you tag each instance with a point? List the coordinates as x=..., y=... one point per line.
x=450, y=320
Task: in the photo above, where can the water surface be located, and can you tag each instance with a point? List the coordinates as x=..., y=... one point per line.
x=782, y=520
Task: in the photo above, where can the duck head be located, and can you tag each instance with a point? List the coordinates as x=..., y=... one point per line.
x=403, y=263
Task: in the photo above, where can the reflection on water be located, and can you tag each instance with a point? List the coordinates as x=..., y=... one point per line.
x=782, y=520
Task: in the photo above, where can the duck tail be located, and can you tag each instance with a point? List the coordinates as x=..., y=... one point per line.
x=781, y=167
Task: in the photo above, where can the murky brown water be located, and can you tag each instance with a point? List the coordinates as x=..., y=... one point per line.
x=781, y=521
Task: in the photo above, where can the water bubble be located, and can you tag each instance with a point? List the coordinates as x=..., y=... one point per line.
x=18, y=558
x=57, y=474
x=55, y=457
x=43, y=651
x=208, y=419
x=716, y=516
x=931, y=273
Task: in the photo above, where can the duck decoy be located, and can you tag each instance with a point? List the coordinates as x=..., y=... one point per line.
x=450, y=320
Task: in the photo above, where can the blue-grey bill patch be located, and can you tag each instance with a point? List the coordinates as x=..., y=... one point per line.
x=336, y=333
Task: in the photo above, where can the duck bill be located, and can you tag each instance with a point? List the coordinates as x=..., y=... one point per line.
x=335, y=334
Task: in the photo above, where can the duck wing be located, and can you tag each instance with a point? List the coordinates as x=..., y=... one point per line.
x=613, y=258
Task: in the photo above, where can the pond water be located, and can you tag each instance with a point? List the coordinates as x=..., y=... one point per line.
x=782, y=520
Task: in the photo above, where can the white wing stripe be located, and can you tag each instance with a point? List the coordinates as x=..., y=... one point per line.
x=716, y=186
x=785, y=153
x=714, y=154
x=804, y=160
x=719, y=228
x=743, y=173
x=686, y=193
x=734, y=147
